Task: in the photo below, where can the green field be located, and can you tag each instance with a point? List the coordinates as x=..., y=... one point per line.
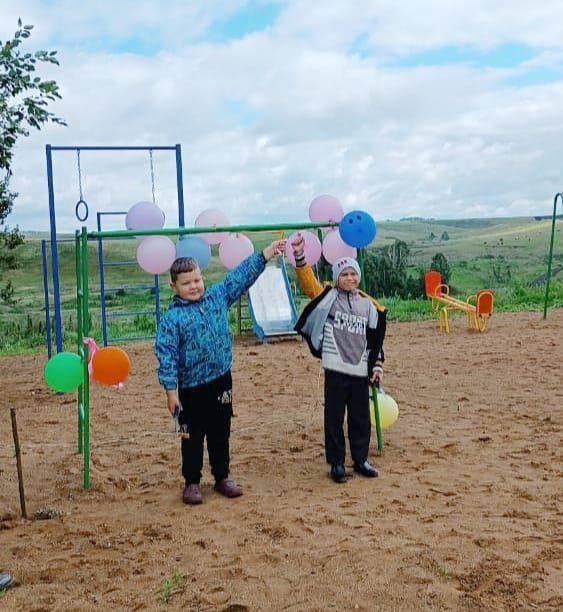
x=506, y=255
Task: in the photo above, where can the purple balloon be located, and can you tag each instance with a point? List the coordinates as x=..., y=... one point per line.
x=156, y=254
x=144, y=216
x=313, y=248
x=334, y=247
x=235, y=249
x=212, y=217
x=325, y=208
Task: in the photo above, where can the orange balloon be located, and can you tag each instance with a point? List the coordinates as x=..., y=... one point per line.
x=110, y=365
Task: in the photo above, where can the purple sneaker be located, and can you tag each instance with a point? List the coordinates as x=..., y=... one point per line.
x=228, y=488
x=192, y=495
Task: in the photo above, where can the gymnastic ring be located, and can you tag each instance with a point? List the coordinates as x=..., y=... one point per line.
x=77, y=212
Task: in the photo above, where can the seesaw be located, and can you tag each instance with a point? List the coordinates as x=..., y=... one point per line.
x=478, y=307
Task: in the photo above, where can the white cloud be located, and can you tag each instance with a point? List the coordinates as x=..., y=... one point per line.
x=441, y=141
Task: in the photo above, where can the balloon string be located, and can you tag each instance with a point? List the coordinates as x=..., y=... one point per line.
x=93, y=348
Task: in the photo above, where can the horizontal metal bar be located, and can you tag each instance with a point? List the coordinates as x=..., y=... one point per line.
x=60, y=240
x=110, y=264
x=289, y=332
x=129, y=339
x=153, y=148
x=129, y=313
x=127, y=288
x=180, y=231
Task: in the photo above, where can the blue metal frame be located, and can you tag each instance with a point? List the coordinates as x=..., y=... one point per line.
x=46, y=301
x=52, y=212
x=103, y=290
x=46, y=297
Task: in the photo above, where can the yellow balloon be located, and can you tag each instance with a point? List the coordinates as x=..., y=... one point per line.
x=388, y=410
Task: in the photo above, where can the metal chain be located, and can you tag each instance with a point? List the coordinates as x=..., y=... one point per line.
x=79, y=174
x=81, y=202
x=152, y=176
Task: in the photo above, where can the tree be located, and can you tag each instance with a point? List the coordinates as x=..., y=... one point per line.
x=501, y=271
x=24, y=98
x=386, y=272
x=441, y=265
x=445, y=236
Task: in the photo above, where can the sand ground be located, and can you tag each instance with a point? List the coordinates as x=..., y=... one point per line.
x=466, y=514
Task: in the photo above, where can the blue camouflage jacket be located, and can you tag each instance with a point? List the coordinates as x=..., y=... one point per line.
x=193, y=343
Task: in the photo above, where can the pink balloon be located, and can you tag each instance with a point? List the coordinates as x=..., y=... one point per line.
x=156, y=254
x=325, y=208
x=334, y=247
x=313, y=248
x=235, y=249
x=212, y=217
x=144, y=216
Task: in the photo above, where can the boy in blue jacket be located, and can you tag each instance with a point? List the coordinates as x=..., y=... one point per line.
x=194, y=349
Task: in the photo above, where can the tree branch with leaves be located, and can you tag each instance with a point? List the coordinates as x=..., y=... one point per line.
x=24, y=101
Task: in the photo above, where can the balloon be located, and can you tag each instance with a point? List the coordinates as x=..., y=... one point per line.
x=156, y=254
x=110, y=365
x=313, y=248
x=212, y=217
x=325, y=208
x=388, y=410
x=196, y=247
x=144, y=216
x=234, y=250
x=334, y=248
x=64, y=372
x=357, y=228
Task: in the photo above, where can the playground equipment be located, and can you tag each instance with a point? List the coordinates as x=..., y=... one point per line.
x=478, y=307
x=271, y=304
x=111, y=365
x=82, y=212
x=550, y=256
x=82, y=238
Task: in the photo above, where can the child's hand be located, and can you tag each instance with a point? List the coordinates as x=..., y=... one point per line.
x=376, y=375
x=172, y=400
x=276, y=248
x=298, y=245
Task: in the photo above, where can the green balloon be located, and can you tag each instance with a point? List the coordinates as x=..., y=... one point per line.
x=64, y=372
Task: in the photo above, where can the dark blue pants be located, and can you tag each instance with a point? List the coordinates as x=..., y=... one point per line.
x=206, y=414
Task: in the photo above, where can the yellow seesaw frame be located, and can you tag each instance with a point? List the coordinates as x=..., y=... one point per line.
x=478, y=307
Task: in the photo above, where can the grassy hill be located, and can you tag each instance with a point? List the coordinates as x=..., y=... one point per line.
x=474, y=248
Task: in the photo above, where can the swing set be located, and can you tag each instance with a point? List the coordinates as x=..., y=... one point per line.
x=82, y=211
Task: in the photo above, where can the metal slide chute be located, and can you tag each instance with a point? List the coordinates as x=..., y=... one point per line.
x=271, y=304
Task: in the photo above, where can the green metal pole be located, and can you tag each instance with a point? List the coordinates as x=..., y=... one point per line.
x=86, y=332
x=550, y=256
x=377, y=418
x=233, y=229
x=79, y=340
x=361, y=255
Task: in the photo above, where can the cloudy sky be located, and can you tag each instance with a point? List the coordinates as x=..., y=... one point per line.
x=442, y=108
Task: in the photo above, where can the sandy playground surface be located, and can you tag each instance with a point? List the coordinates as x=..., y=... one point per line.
x=466, y=514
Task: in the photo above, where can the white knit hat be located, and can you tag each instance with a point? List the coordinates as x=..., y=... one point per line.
x=343, y=263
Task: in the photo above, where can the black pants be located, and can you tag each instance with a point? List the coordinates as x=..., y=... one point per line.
x=207, y=412
x=352, y=392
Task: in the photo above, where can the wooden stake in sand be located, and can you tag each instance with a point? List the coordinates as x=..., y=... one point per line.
x=18, y=460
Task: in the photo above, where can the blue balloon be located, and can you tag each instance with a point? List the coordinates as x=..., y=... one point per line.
x=357, y=229
x=193, y=246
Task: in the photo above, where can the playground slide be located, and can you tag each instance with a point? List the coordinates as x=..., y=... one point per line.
x=271, y=304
